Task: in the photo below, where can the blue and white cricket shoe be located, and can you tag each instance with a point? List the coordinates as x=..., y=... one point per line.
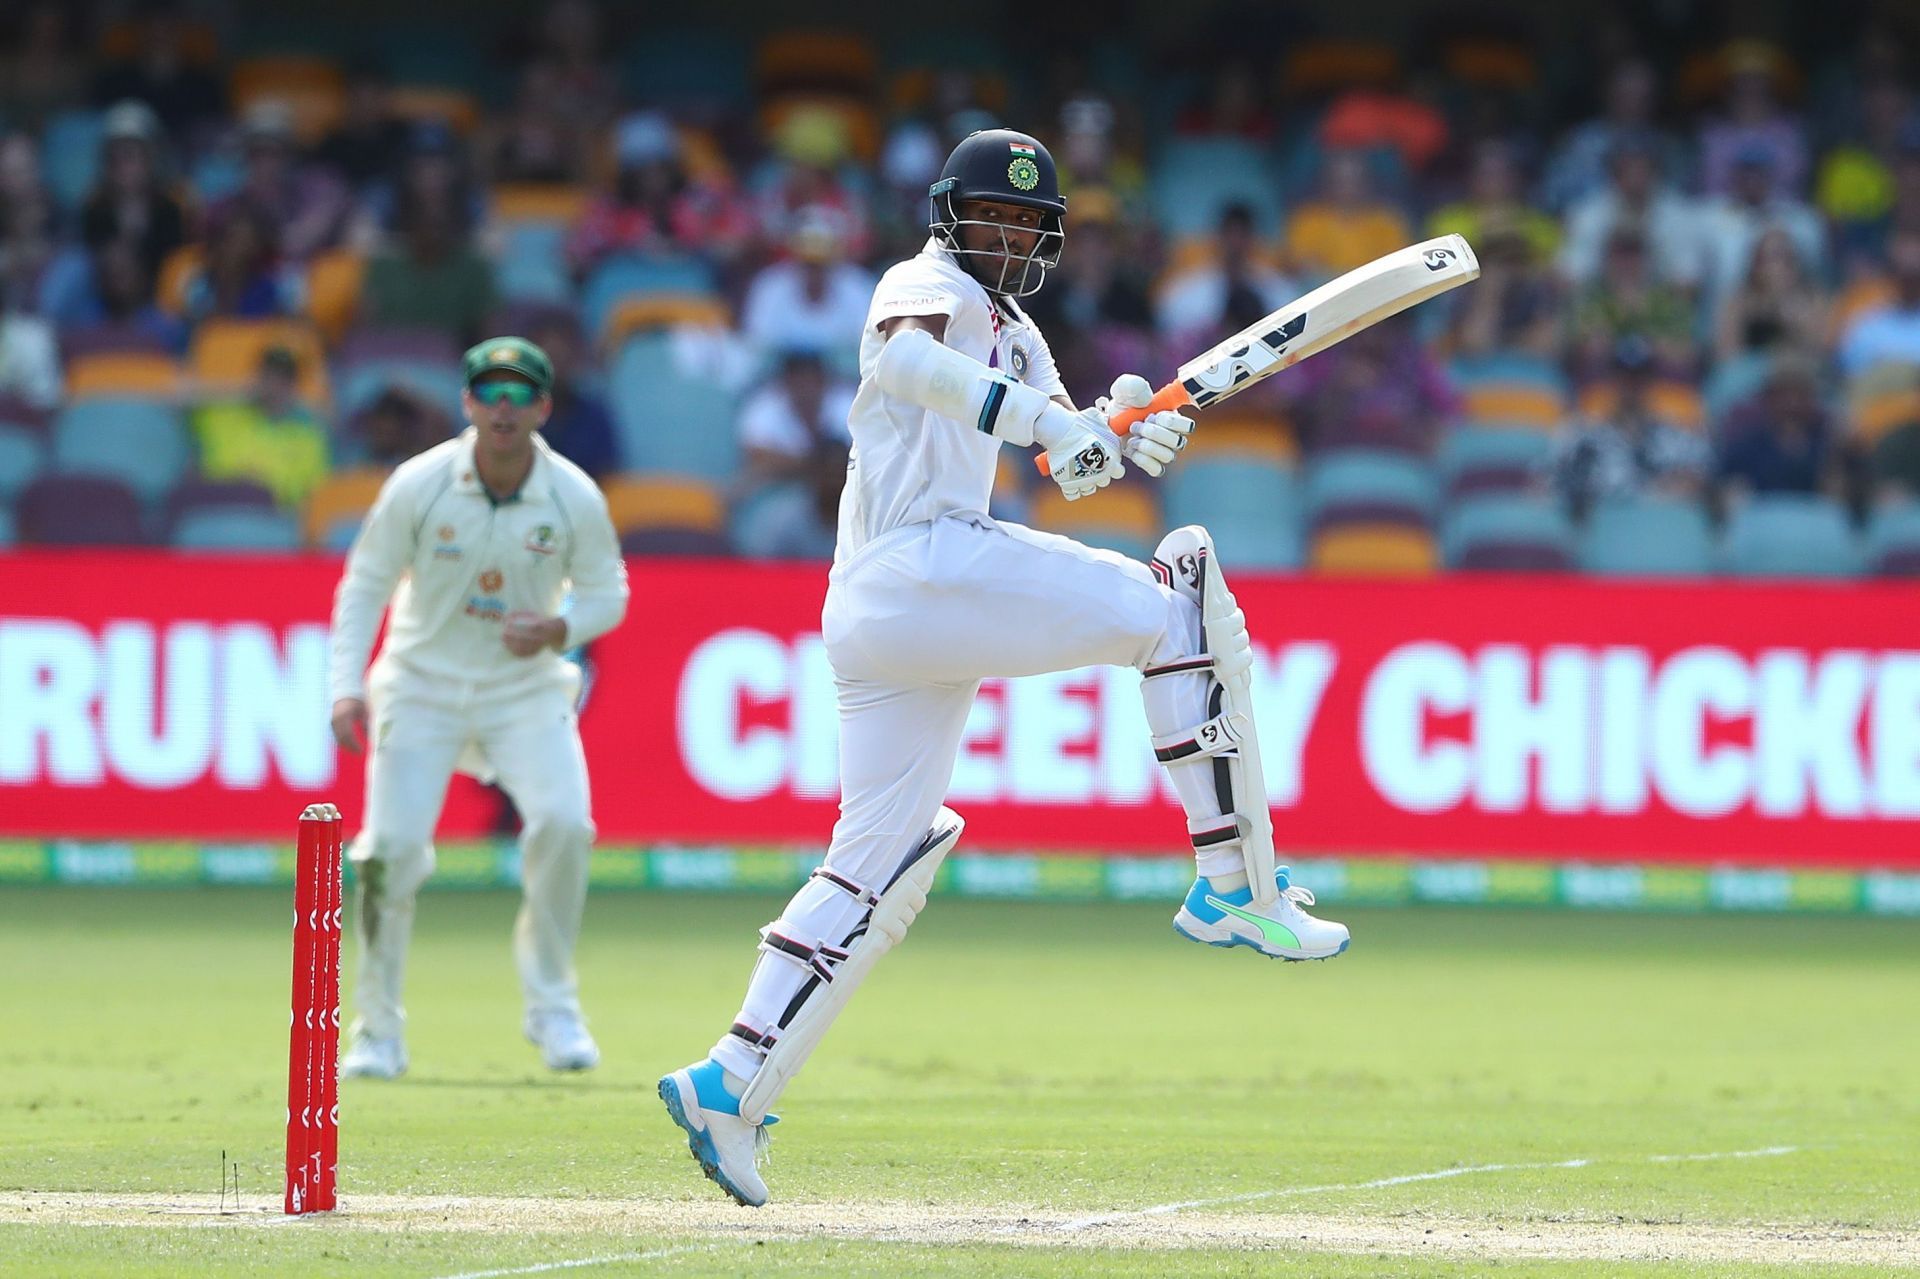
x=1280, y=931
x=726, y=1146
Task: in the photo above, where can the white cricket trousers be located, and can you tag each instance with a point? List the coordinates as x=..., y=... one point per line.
x=531, y=740
x=912, y=623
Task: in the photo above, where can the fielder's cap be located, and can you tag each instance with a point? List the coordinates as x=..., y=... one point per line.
x=516, y=355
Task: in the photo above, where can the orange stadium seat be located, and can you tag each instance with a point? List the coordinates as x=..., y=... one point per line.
x=1520, y=403
x=313, y=89
x=1321, y=66
x=333, y=291
x=1121, y=517
x=1676, y=401
x=176, y=273
x=1491, y=63
x=816, y=60
x=1223, y=433
x=1877, y=412
x=538, y=202
x=1396, y=550
x=1855, y=299
x=345, y=494
x=637, y=501
x=123, y=373
x=225, y=354
x=662, y=311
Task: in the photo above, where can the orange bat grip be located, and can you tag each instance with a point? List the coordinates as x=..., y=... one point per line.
x=1169, y=397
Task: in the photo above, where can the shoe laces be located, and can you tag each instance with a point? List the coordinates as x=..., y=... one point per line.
x=1296, y=896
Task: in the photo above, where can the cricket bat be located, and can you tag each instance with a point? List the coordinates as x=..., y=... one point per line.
x=1307, y=326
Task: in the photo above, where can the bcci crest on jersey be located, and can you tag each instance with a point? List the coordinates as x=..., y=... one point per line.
x=1017, y=357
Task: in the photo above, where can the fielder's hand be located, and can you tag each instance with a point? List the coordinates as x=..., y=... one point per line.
x=350, y=724
x=1155, y=439
x=527, y=633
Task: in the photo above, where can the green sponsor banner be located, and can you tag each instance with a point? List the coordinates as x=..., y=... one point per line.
x=495, y=864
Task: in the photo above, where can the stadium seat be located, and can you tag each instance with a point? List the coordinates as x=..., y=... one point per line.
x=1873, y=413
x=675, y=541
x=1267, y=437
x=79, y=510
x=177, y=271
x=614, y=280
x=1679, y=403
x=1893, y=541
x=313, y=89
x=438, y=381
x=764, y=525
x=1202, y=176
x=1375, y=550
x=23, y=456
x=428, y=346
x=1791, y=535
x=1647, y=537
x=1121, y=517
x=697, y=70
x=226, y=354
x=1508, y=533
x=112, y=338
x=194, y=494
x=8, y=533
x=1355, y=481
x=1250, y=504
x=70, y=155
x=555, y=203
x=124, y=373
x=1326, y=65
x=663, y=501
x=669, y=419
x=434, y=104
x=815, y=60
x=141, y=443
x=344, y=495
x=1733, y=381
x=1480, y=459
x=235, y=529
x=662, y=311
x=334, y=279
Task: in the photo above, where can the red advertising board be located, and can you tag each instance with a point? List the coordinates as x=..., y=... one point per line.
x=143, y=695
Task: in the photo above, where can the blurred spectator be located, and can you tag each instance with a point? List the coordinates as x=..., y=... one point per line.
x=1365, y=118
x=268, y=437
x=369, y=142
x=1229, y=293
x=306, y=205
x=130, y=201
x=578, y=88
x=1861, y=246
x=44, y=71
x=1889, y=332
x=1781, y=441
x=163, y=72
x=580, y=428
x=1628, y=301
x=798, y=416
x=1495, y=202
x=1753, y=121
x=27, y=243
x=1235, y=106
x=656, y=206
x=29, y=359
x=1094, y=310
x=1514, y=306
x=798, y=520
x=1854, y=186
x=1754, y=204
x=1776, y=304
x=1631, y=451
x=242, y=275
x=1091, y=160
x=531, y=143
x=1581, y=166
x=429, y=275
x=1346, y=225
x=812, y=167
x=1635, y=196
x=121, y=312
x=815, y=297
x=398, y=425
x=1379, y=389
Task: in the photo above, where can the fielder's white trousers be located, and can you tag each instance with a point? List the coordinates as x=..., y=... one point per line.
x=530, y=740
x=912, y=623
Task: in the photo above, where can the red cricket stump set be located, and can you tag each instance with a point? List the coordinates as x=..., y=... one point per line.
x=313, y=1055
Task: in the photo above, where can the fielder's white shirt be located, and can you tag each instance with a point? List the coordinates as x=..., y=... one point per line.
x=463, y=561
x=912, y=466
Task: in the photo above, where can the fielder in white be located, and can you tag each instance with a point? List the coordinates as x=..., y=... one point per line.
x=929, y=595
x=483, y=536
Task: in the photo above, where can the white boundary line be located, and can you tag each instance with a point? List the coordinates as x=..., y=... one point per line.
x=1289, y=1192
x=581, y=1263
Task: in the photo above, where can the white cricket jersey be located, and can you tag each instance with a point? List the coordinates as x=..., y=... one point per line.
x=463, y=561
x=911, y=466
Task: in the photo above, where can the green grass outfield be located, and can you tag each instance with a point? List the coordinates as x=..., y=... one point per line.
x=1008, y=1096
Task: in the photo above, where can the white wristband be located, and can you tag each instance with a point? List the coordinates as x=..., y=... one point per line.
x=917, y=367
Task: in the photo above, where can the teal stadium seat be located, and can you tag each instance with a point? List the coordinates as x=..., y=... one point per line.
x=360, y=384
x=533, y=265
x=138, y=442
x=23, y=456
x=1732, y=381
x=1647, y=537
x=618, y=278
x=1893, y=541
x=1791, y=535
x=1475, y=459
x=7, y=532
x=668, y=419
x=1507, y=532
x=1197, y=178
x=1377, y=483
x=1251, y=505
x=70, y=155
x=236, y=529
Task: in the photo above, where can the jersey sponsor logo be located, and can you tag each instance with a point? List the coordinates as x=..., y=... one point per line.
x=540, y=540
x=492, y=580
x=446, y=550
x=444, y=532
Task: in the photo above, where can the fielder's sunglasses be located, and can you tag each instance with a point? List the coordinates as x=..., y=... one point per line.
x=518, y=394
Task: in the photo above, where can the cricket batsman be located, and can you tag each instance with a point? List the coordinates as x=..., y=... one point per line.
x=483, y=535
x=929, y=594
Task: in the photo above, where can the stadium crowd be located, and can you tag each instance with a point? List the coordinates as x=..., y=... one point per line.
x=238, y=262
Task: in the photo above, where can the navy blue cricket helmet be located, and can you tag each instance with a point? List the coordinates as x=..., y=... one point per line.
x=1008, y=168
